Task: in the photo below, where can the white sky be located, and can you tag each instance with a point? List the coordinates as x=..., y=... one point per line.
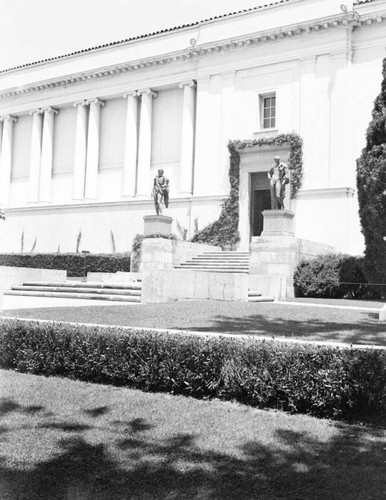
x=31, y=30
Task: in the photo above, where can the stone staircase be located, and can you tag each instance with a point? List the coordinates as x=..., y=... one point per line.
x=218, y=262
x=224, y=262
x=117, y=292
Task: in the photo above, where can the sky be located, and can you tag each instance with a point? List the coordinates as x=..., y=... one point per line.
x=31, y=30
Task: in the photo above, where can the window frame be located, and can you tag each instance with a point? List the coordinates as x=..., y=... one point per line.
x=262, y=97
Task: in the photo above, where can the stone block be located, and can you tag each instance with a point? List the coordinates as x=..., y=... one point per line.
x=154, y=224
x=278, y=222
x=382, y=314
x=183, y=284
x=157, y=254
x=272, y=286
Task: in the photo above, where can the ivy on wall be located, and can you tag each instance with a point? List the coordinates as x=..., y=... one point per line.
x=224, y=231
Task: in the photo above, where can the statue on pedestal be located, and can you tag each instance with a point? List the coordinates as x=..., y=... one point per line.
x=160, y=191
x=278, y=178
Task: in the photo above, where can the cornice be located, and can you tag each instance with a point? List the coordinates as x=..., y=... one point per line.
x=101, y=205
x=349, y=20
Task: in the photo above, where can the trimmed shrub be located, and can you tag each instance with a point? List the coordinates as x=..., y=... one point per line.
x=320, y=381
x=333, y=276
x=371, y=183
x=73, y=263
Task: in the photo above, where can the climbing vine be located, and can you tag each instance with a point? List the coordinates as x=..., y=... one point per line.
x=224, y=231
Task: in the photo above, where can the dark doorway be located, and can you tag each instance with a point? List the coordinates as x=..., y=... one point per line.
x=261, y=201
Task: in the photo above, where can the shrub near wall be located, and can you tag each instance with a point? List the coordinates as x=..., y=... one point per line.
x=320, y=381
x=73, y=263
x=333, y=276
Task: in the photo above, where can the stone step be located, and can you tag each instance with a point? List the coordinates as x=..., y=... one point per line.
x=214, y=269
x=215, y=264
x=261, y=298
x=100, y=291
x=225, y=252
x=254, y=294
x=72, y=295
x=202, y=258
x=84, y=284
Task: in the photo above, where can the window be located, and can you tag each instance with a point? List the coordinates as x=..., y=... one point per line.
x=268, y=110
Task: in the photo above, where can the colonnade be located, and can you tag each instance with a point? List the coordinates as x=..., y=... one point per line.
x=136, y=182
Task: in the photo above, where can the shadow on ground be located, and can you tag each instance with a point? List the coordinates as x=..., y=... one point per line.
x=366, y=331
x=132, y=464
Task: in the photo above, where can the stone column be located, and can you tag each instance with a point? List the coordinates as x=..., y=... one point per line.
x=6, y=158
x=91, y=188
x=187, y=138
x=131, y=146
x=35, y=156
x=47, y=154
x=144, y=147
x=80, y=151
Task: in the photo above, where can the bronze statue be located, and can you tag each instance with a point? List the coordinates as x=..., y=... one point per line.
x=278, y=178
x=160, y=191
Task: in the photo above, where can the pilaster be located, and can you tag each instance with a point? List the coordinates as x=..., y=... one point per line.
x=35, y=156
x=91, y=187
x=144, y=146
x=80, y=151
x=131, y=146
x=187, y=138
x=6, y=158
x=47, y=154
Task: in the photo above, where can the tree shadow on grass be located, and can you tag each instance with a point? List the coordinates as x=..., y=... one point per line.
x=349, y=465
x=366, y=331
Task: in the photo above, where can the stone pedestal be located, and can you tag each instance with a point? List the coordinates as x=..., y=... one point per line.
x=275, y=254
x=278, y=223
x=157, y=224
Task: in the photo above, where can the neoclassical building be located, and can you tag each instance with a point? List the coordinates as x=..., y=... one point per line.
x=83, y=134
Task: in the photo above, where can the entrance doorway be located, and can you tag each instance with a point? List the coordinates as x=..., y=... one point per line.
x=260, y=199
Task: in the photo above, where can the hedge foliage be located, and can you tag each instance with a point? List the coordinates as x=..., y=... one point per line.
x=333, y=276
x=320, y=381
x=224, y=231
x=73, y=263
x=371, y=183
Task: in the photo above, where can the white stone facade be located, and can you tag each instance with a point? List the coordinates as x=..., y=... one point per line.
x=83, y=135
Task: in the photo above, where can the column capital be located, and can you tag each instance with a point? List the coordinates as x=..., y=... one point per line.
x=36, y=112
x=189, y=83
x=146, y=91
x=83, y=102
x=132, y=93
x=96, y=101
x=49, y=109
x=8, y=118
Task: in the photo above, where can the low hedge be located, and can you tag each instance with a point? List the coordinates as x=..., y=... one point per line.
x=333, y=276
x=320, y=381
x=73, y=263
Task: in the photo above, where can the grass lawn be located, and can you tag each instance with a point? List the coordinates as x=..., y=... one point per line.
x=303, y=322
x=63, y=439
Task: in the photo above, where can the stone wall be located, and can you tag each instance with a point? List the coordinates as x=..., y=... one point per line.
x=181, y=284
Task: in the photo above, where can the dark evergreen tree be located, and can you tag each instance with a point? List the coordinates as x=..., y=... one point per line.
x=371, y=183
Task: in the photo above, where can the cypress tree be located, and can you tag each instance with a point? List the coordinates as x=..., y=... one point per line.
x=371, y=184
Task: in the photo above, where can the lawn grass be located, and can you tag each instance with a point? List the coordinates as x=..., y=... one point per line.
x=63, y=439
x=273, y=320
